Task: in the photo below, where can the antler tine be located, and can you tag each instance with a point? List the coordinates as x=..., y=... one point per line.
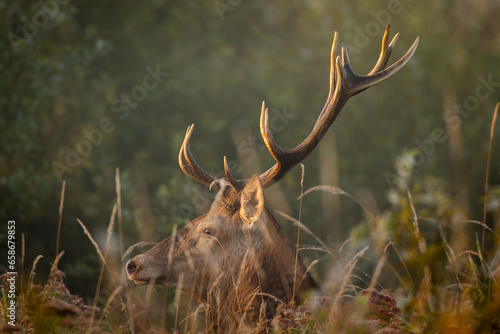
x=385, y=51
x=237, y=184
x=344, y=83
x=333, y=74
x=189, y=165
x=269, y=177
x=278, y=154
x=359, y=83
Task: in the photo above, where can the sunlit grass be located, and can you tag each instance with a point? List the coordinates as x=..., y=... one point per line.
x=399, y=272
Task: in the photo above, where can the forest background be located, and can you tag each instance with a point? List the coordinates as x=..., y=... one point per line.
x=90, y=87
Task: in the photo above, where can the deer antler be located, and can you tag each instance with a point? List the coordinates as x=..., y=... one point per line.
x=344, y=83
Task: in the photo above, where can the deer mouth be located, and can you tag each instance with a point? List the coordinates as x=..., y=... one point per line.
x=154, y=280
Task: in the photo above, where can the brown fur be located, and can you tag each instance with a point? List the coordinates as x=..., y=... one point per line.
x=241, y=273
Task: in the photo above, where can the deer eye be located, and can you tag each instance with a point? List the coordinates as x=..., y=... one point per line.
x=208, y=231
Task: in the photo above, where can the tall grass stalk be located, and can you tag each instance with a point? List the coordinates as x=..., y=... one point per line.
x=393, y=244
x=53, y=268
x=109, y=233
x=164, y=309
x=177, y=297
x=308, y=231
x=487, y=177
x=119, y=207
x=346, y=279
x=94, y=243
x=337, y=191
x=120, y=238
x=32, y=272
x=298, y=231
x=113, y=281
x=112, y=297
x=421, y=240
x=61, y=206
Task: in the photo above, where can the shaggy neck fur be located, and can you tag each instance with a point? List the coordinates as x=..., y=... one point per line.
x=264, y=280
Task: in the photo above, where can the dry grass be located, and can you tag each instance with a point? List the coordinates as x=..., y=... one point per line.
x=397, y=273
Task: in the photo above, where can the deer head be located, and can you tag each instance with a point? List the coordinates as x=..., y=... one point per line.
x=235, y=259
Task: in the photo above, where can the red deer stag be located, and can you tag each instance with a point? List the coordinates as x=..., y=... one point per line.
x=235, y=259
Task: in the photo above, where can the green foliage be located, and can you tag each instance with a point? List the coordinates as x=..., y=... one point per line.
x=68, y=67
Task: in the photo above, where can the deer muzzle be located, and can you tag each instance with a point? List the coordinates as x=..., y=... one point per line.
x=139, y=272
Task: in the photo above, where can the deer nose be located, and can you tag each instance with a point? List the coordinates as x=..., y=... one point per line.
x=131, y=267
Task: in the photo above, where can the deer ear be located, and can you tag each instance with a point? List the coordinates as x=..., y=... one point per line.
x=252, y=200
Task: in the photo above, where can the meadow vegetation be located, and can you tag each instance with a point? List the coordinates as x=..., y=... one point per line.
x=417, y=267
x=399, y=215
